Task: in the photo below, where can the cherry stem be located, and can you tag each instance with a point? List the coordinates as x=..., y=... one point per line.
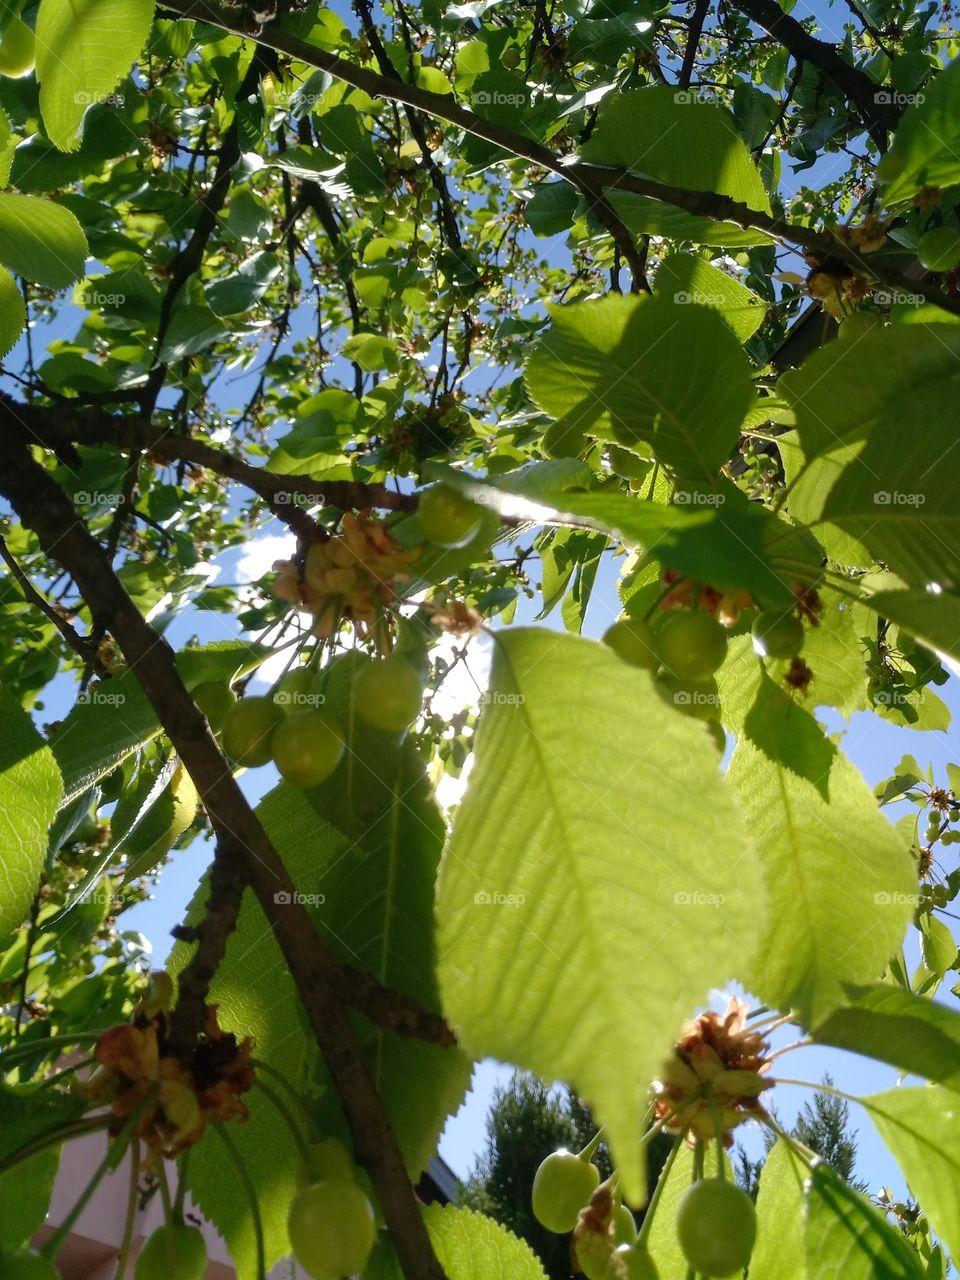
x=802, y=1043
x=249, y=1191
x=645, y=1226
x=287, y=1116
x=79, y=1129
x=134, y=1149
x=168, y=1213
x=281, y=1079
x=590, y=1150
x=820, y=1088
x=184, y=1164
x=41, y=1049
x=806, y=1155
x=718, y=1134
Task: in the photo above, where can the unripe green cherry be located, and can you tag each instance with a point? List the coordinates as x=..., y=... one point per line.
x=631, y=1262
x=716, y=1226
x=298, y=690
x=214, y=700
x=18, y=50
x=388, y=694
x=691, y=644
x=447, y=517
x=634, y=642
x=562, y=1186
x=332, y=1228
x=624, y=1225
x=510, y=58
x=939, y=248
x=777, y=635
x=329, y=1158
x=173, y=1250
x=699, y=699
x=306, y=747
x=248, y=728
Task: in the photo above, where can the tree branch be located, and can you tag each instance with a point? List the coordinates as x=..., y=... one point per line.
x=43, y=507
x=708, y=204
x=80, y=644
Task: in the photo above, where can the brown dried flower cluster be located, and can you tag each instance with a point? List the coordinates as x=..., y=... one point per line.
x=178, y=1099
x=715, y=1075
x=351, y=577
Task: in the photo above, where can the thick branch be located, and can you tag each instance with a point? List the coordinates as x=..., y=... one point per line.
x=879, y=116
x=44, y=508
x=707, y=204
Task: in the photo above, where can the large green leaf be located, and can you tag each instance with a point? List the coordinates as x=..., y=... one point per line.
x=878, y=499
x=926, y=146
x=667, y=379
x=922, y=1129
x=114, y=717
x=25, y=1192
x=895, y=1026
x=779, y=1251
x=685, y=278
x=933, y=617
x=41, y=241
x=578, y=871
x=84, y=48
x=847, y=1237
x=685, y=142
x=30, y=790
x=471, y=1246
x=13, y=312
x=840, y=881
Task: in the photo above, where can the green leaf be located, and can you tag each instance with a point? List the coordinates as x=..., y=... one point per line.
x=84, y=49
x=239, y=292
x=558, y=850
x=846, y=1236
x=926, y=146
x=192, y=329
x=371, y=352
x=685, y=278
x=922, y=1129
x=30, y=791
x=41, y=241
x=684, y=143
x=643, y=371
x=937, y=945
x=471, y=1246
x=25, y=1193
x=892, y=1025
x=933, y=617
x=13, y=312
x=552, y=208
x=779, y=1251
x=839, y=880
x=877, y=499
x=162, y=826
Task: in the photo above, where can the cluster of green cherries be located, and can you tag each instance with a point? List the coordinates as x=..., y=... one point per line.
x=685, y=649
x=290, y=727
x=716, y=1222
